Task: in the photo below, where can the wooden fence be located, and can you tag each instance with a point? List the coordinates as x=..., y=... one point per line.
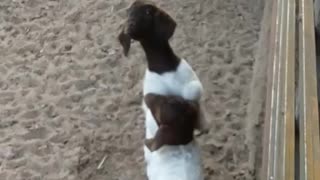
x=291, y=148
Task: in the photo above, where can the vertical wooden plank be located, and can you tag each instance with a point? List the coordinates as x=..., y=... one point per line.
x=308, y=119
x=279, y=126
x=268, y=130
x=289, y=89
x=316, y=9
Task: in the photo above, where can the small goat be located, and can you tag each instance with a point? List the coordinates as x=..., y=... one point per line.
x=175, y=154
x=166, y=74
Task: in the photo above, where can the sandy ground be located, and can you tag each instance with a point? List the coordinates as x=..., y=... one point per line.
x=68, y=97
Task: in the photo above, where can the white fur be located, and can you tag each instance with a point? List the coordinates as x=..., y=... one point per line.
x=172, y=162
x=175, y=163
x=183, y=82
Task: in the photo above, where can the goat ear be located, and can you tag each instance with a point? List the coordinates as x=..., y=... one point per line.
x=150, y=99
x=153, y=144
x=150, y=144
x=124, y=39
x=154, y=103
x=164, y=24
x=163, y=136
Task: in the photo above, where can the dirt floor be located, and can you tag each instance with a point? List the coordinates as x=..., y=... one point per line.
x=68, y=97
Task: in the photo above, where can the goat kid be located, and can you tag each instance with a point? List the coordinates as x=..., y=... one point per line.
x=166, y=74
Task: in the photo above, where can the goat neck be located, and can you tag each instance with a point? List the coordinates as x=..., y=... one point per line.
x=160, y=56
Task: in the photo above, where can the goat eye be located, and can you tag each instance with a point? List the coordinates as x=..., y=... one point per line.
x=148, y=11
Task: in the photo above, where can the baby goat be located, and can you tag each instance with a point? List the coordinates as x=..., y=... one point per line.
x=175, y=154
x=166, y=74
